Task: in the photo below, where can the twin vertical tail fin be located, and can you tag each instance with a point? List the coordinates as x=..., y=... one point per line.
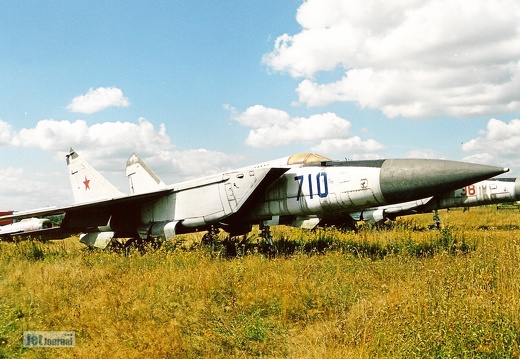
x=87, y=184
x=141, y=178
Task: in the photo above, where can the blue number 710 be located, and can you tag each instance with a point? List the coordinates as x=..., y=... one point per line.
x=320, y=178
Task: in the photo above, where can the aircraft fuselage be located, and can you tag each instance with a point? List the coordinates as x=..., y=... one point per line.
x=300, y=193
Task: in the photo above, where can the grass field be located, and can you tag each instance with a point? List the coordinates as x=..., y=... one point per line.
x=401, y=292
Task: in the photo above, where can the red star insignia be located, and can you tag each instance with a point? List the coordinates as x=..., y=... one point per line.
x=86, y=182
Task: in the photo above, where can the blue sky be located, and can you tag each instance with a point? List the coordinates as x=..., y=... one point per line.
x=199, y=87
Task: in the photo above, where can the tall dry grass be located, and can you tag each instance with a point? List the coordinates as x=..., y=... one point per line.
x=400, y=292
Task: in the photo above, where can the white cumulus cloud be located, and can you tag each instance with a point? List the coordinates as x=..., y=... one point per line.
x=499, y=139
x=498, y=144
x=191, y=163
x=407, y=58
x=25, y=189
x=106, y=146
x=107, y=137
x=349, y=145
x=329, y=132
x=6, y=133
x=98, y=99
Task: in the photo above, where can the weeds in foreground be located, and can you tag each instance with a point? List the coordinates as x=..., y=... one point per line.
x=326, y=240
x=404, y=291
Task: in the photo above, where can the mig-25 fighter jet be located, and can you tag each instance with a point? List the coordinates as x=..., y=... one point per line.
x=296, y=190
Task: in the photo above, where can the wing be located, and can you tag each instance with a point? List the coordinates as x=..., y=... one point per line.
x=85, y=216
x=194, y=204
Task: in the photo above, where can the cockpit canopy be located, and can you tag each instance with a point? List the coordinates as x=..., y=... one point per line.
x=306, y=158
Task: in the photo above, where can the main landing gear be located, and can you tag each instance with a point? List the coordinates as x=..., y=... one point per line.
x=234, y=245
x=135, y=243
x=226, y=247
x=142, y=245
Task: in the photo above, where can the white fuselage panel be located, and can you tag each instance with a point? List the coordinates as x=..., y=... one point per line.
x=316, y=190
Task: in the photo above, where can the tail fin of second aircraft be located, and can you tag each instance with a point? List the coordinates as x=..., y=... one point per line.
x=88, y=184
x=141, y=178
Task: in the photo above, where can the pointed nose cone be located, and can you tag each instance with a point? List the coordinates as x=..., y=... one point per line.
x=404, y=180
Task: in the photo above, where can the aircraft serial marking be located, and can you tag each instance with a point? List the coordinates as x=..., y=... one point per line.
x=322, y=186
x=469, y=190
